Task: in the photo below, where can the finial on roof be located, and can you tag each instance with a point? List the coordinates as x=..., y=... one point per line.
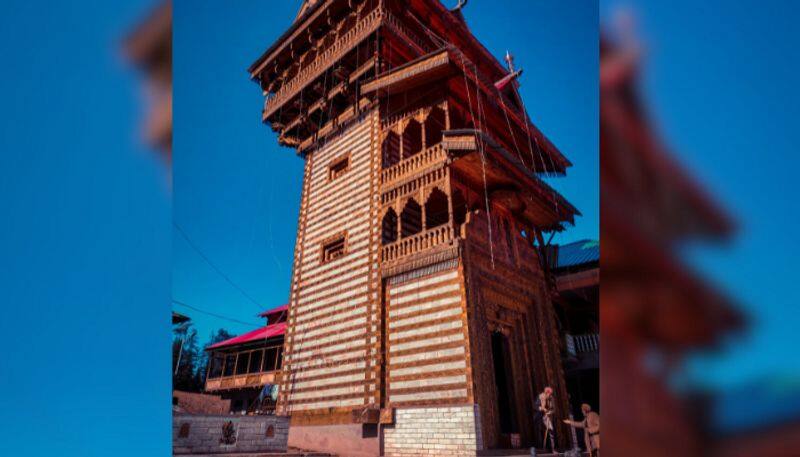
x=461, y=4
x=510, y=61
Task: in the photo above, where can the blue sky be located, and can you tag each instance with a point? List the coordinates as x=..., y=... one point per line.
x=237, y=192
x=85, y=240
x=723, y=94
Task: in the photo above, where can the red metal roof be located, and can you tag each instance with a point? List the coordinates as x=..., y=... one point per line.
x=264, y=333
x=274, y=311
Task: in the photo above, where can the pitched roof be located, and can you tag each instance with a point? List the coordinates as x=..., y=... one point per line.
x=305, y=7
x=274, y=311
x=578, y=253
x=264, y=333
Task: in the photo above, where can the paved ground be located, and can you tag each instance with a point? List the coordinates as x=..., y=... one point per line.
x=289, y=453
x=517, y=453
x=300, y=453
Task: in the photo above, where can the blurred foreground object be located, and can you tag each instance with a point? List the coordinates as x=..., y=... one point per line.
x=654, y=310
x=149, y=47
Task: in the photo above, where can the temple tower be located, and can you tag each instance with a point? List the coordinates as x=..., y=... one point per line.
x=420, y=309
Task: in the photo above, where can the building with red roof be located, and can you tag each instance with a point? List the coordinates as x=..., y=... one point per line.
x=241, y=367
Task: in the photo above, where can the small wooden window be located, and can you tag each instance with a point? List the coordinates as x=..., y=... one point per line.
x=334, y=248
x=338, y=167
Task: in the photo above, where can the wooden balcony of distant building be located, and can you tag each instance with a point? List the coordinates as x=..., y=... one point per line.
x=238, y=370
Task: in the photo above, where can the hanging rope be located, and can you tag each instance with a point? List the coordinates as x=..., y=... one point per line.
x=539, y=150
x=480, y=150
x=511, y=130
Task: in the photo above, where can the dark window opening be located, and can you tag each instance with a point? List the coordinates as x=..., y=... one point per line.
x=242, y=364
x=255, y=361
x=270, y=357
x=338, y=167
x=230, y=363
x=391, y=149
x=412, y=139
x=436, y=210
x=389, y=227
x=504, y=378
x=280, y=357
x=411, y=219
x=434, y=126
x=216, y=366
x=333, y=249
x=369, y=430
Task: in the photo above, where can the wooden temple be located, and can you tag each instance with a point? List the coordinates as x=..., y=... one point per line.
x=420, y=315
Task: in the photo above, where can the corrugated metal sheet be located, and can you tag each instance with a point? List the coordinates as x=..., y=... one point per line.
x=270, y=331
x=578, y=253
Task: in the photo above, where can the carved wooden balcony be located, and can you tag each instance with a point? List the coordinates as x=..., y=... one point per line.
x=249, y=368
x=418, y=243
x=241, y=381
x=433, y=155
x=324, y=60
x=412, y=184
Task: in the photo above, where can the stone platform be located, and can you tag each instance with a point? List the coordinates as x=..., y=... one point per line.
x=199, y=435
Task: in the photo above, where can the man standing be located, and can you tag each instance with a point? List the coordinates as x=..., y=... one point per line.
x=546, y=407
x=591, y=429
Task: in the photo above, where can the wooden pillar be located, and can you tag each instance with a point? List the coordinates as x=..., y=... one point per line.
x=399, y=224
x=423, y=222
x=423, y=140
x=448, y=188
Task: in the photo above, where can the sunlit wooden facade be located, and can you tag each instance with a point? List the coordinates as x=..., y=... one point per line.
x=419, y=280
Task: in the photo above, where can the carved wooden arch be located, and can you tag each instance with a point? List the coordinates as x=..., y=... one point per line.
x=406, y=202
x=428, y=190
x=421, y=116
x=394, y=207
x=398, y=127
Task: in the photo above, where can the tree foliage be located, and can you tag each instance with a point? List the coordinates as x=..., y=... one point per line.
x=189, y=361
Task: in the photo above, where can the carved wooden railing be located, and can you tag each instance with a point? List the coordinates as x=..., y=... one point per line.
x=434, y=176
x=412, y=164
x=241, y=380
x=417, y=243
x=325, y=59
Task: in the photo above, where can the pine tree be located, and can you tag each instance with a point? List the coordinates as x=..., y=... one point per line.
x=186, y=355
x=202, y=370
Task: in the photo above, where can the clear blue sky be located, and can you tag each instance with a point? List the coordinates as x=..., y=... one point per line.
x=85, y=240
x=237, y=192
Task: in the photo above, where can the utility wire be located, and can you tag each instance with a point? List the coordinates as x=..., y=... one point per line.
x=211, y=264
x=218, y=316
